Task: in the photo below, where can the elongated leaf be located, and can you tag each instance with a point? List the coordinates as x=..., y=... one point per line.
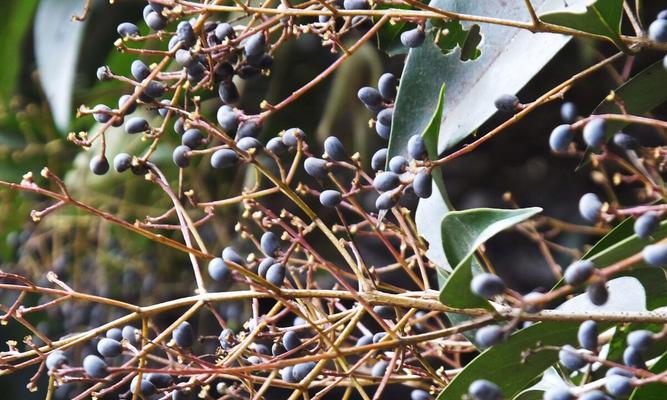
x=57, y=42
x=600, y=17
x=12, y=32
x=510, y=57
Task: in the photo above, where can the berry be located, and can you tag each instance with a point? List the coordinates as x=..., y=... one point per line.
x=593, y=395
x=662, y=15
x=330, y=198
x=383, y=130
x=560, y=138
x=385, y=181
x=127, y=29
x=355, y=4
x=417, y=147
x=103, y=73
x=115, y=334
x=184, y=57
x=377, y=338
x=254, y=46
x=122, y=100
x=109, y=347
x=533, y=302
x=146, y=388
x=422, y=184
x=633, y=358
x=276, y=146
x=230, y=255
x=136, y=125
x=192, y=138
x=647, y=224
x=286, y=374
x=180, y=156
x=228, y=119
x=248, y=143
x=364, y=340
x=264, y=266
x=291, y=340
x=385, y=116
x=159, y=380
x=568, y=112
x=618, y=371
x=587, y=335
x=226, y=339
x=224, y=158
x=335, y=149
x=558, y=394
x=300, y=371
x=655, y=255
x=186, y=34
x=595, y=132
x=482, y=389
x=578, y=272
x=640, y=340
x=155, y=21
x=487, y=285
x=218, y=270
x=99, y=165
x=507, y=103
x=94, y=367
x=379, y=369
x=385, y=201
x=657, y=31
x=183, y=335
x=625, y=141
x=101, y=113
x=154, y=89
x=248, y=128
x=618, y=386
x=224, y=31
x=131, y=334
x=179, y=126
x=387, y=86
x=315, y=167
x=570, y=359
x=385, y=312
x=275, y=275
x=56, y=359
x=487, y=336
x=379, y=159
x=413, y=38
x=590, y=206
x=139, y=70
x=162, y=108
x=371, y=97
x=398, y=164
x=597, y=293
x=270, y=243
x=228, y=92
x=418, y=394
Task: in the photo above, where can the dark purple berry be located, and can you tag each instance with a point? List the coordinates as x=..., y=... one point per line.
x=139, y=70
x=330, y=198
x=315, y=167
x=490, y=335
x=224, y=158
x=385, y=181
x=94, y=367
x=218, y=270
x=99, y=165
x=335, y=149
x=180, y=156
x=422, y=184
x=578, y=272
x=127, y=29
x=387, y=86
x=136, y=125
x=413, y=38
x=183, y=335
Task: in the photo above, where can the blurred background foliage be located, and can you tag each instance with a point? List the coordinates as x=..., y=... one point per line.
x=48, y=70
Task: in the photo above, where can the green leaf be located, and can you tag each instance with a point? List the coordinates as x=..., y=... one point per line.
x=18, y=16
x=510, y=57
x=653, y=391
x=601, y=17
x=448, y=35
x=389, y=36
x=462, y=233
x=57, y=42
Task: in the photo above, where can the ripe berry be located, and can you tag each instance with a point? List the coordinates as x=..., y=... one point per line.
x=94, y=367
x=418, y=394
x=139, y=70
x=248, y=128
x=254, y=46
x=184, y=57
x=593, y=395
x=533, y=302
x=398, y=164
x=618, y=386
x=618, y=371
x=355, y=4
x=417, y=147
x=490, y=335
x=482, y=389
x=155, y=21
x=103, y=73
x=270, y=243
x=487, y=285
x=136, y=125
x=180, y=156
x=386, y=201
x=330, y=198
x=300, y=371
x=218, y=270
x=99, y=165
x=264, y=266
x=657, y=31
x=597, y=293
x=159, y=380
x=228, y=92
x=377, y=338
x=224, y=31
x=385, y=116
x=145, y=387
x=570, y=359
x=109, y=347
x=101, y=113
x=385, y=181
x=625, y=141
x=115, y=334
x=291, y=340
x=248, y=143
x=560, y=138
x=385, y=312
x=640, y=340
x=127, y=29
x=131, y=334
x=379, y=369
x=590, y=206
x=335, y=149
x=56, y=359
x=371, y=97
x=226, y=339
x=364, y=340
x=647, y=224
x=594, y=132
x=413, y=38
x=568, y=112
x=578, y=272
x=383, y=130
x=224, y=158
x=422, y=184
x=122, y=100
x=154, y=89
x=228, y=119
x=587, y=335
x=507, y=103
x=286, y=374
x=633, y=358
x=315, y=167
x=558, y=394
x=387, y=86
x=276, y=146
x=186, y=34
x=183, y=335
x=379, y=159
x=655, y=255
x=275, y=275
x=122, y=162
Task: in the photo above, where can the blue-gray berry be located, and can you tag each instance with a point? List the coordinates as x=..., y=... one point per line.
x=229, y=254
x=595, y=131
x=99, y=165
x=587, y=335
x=422, y=184
x=145, y=387
x=568, y=112
x=655, y=255
x=385, y=181
x=270, y=243
x=647, y=224
x=335, y=149
x=136, y=125
x=180, y=156
x=413, y=38
x=379, y=369
x=387, y=86
x=418, y=394
x=507, y=103
x=275, y=275
x=330, y=198
x=364, y=340
x=633, y=358
x=560, y=138
x=139, y=70
x=558, y=394
x=597, y=293
x=625, y=141
x=483, y=389
x=570, y=358
x=640, y=340
x=417, y=147
x=490, y=335
x=94, y=366
x=122, y=162
x=218, y=270
x=618, y=385
x=384, y=131
x=379, y=159
x=228, y=92
x=115, y=334
x=487, y=285
x=264, y=266
x=315, y=167
x=127, y=29
x=578, y=272
x=300, y=371
x=657, y=31
x=183, y=335
x=385, y=116
x=109, y=347
x=224, y=158
x=398, y=164
x=371, y=97
x=385, y=312
x=248, y=143
x=254, y=46
x=590, y=206
x=56, y=359
x=291, y=340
